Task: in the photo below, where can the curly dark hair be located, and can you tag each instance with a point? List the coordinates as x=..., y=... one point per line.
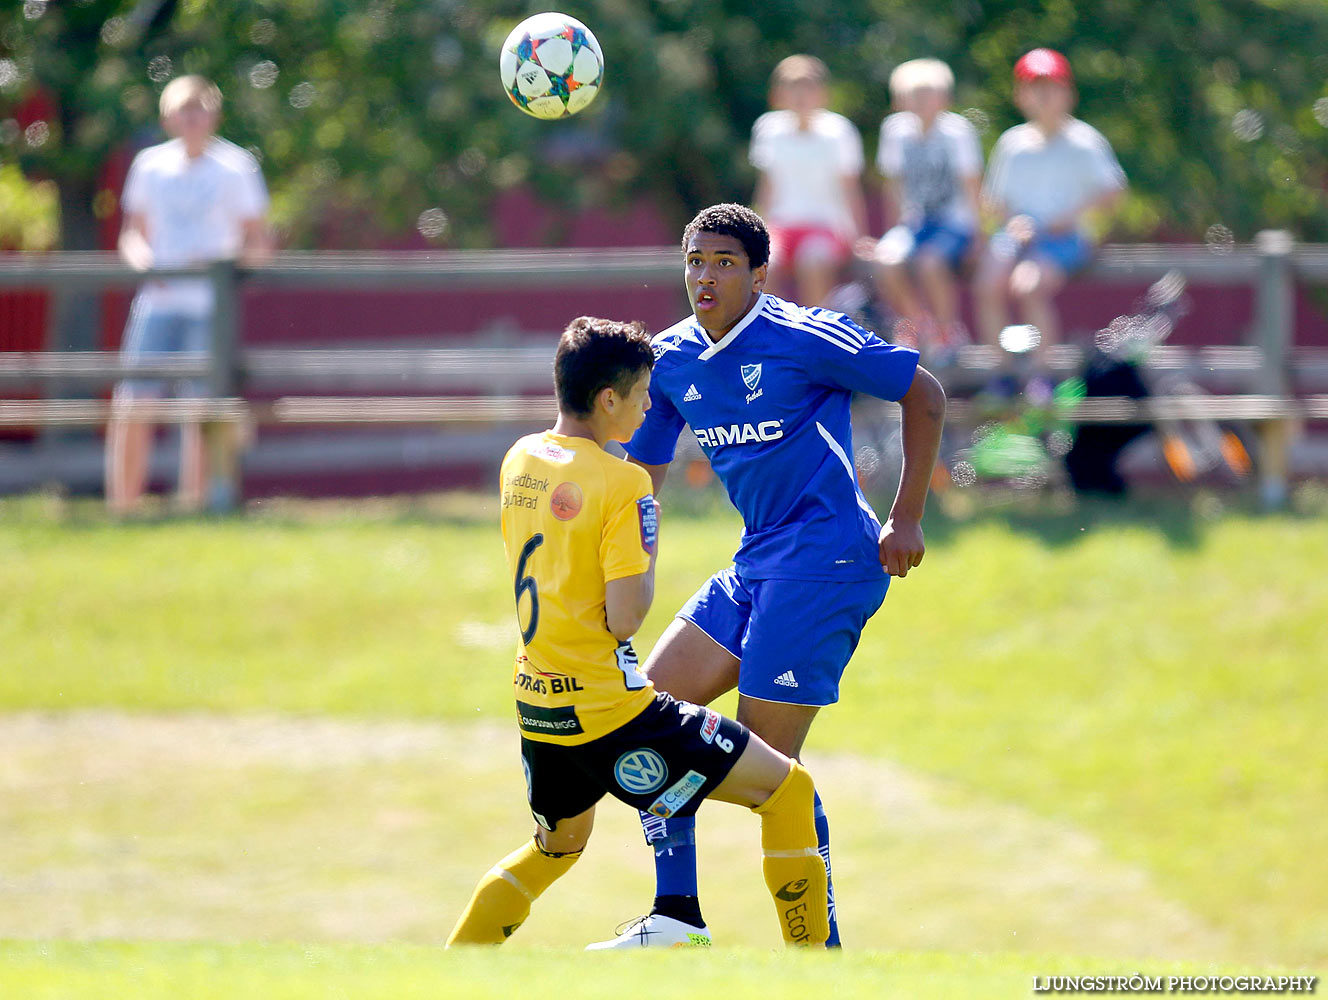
x=738, y=221
x=595, y=354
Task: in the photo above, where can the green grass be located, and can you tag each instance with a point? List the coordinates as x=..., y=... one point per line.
x=400, y=614
x=111, y=971
x=1150, y=680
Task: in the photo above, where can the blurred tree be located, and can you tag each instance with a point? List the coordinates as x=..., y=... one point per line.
x=1216, y=111
x=361, y=113
x=381, y=117
x=27, y=211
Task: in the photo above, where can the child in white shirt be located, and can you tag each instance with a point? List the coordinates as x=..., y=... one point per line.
x=810, y=180
x=189, y=201
x=931, y=161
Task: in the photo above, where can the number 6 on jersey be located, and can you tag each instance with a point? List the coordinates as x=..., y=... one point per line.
x=527, y=583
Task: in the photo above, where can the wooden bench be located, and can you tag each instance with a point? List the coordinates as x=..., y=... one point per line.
x=1264, y=384
x=1274, y=418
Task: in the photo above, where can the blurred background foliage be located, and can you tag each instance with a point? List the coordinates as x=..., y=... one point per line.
x=378, y=118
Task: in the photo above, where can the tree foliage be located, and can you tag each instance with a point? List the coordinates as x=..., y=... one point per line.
x=377, y=117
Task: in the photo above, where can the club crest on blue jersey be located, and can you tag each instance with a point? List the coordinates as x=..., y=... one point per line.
x=751, y=375
x=779, y=440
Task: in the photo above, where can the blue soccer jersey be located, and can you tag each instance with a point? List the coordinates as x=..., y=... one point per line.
x=769, y=405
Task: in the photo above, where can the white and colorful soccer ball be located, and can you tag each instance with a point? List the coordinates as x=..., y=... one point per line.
x=551, y=65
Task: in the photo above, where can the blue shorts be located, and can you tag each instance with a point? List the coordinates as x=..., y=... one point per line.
x=946, y=242
x=794, y=637
x=904, y=243
x=152, y=335
x=1070, y=252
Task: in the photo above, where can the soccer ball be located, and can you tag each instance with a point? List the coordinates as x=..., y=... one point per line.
x=551, y=65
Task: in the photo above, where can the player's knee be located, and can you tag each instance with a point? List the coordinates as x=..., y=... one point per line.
x=801, y=790
x=787, y=816
x=567, y=839
x=560, y=857
x=535, y=868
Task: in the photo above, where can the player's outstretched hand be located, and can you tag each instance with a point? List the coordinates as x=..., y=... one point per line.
x=902, y=546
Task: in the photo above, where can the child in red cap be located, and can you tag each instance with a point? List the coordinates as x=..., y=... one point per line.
x=1045, y=180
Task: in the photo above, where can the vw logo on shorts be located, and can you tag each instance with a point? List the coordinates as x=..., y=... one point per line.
x=640, y=771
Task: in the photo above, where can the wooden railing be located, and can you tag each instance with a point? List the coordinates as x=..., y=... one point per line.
x=1256, y=379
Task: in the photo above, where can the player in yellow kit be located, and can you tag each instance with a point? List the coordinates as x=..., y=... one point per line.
x=580, y=531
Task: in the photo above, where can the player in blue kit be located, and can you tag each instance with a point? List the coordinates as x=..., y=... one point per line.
x=765, y=386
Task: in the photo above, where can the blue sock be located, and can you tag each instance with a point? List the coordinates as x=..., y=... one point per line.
x=823, y=847
x=674, y=843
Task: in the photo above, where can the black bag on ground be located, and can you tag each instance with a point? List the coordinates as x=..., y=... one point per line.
x=1091, y=461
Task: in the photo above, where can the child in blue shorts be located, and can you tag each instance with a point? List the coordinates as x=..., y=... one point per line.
x=1046, y=179
x=931, y=161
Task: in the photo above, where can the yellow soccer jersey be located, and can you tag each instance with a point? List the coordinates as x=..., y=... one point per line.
x=574, y=517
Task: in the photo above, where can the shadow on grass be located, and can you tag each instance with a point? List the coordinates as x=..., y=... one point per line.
x=1057, y=519
x=1180, y=519
x=54, y=509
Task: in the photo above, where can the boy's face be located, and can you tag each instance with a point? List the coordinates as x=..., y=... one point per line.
x=928, y=102
x=191, y=120
x=802, y=96
x=721, y=283
x=1044, y=99
x=626, y=412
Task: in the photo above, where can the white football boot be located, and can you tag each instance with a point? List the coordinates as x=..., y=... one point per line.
x=656, y=931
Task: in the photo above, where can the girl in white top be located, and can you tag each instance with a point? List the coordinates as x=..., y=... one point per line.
x=809, y=187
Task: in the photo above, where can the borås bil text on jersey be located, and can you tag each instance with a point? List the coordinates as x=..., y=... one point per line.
x=769, y=405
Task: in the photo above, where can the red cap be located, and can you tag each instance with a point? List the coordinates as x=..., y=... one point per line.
x=1043, y=64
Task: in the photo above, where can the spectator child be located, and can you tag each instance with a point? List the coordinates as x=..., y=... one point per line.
x=191, y=200
x=931, y=161
x=1045, y=179
x=810, y=164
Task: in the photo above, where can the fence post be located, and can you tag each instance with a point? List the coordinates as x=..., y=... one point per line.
x=221, y=437
x=1275, y=320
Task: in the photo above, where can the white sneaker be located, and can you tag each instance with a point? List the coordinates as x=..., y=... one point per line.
x=656, y=931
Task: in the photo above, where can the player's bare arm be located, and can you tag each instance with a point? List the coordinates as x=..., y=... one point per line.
x=922, y=419
x=657, y=473
x=627, y=600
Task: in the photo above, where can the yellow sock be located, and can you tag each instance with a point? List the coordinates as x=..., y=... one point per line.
x=794, y=871
x=502, y=900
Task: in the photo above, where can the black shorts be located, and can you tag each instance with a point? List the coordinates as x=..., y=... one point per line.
x=665, y=762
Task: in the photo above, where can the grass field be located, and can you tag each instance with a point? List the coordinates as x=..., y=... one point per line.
x=411, y=972
x=1092, y=734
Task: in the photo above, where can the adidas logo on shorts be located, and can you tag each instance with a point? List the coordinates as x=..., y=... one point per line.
x=691, y=395
x=787, y=679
